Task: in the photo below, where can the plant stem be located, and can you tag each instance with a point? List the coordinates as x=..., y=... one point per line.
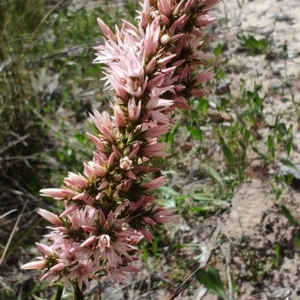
x=78, y=294
x=59, y=292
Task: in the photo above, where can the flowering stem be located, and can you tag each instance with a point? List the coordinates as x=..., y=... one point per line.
x=59, y=291
x=153, y=68
x=78, y=294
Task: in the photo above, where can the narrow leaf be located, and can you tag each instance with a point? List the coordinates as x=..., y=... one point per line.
x=211, y=279
x=286, y=212
x=215, y=174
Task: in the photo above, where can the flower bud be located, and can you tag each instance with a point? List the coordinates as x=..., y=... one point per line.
x=164, y=39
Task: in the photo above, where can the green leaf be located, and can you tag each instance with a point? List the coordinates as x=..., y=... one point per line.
x=215, y=174
x=228, y=154
x=270, y=144
x=155, y=247
x=259, y=153
x=201, y=197
x=286, y=212
x=289, y=146
x=196, y=132
x=167, y=190
x=218, y=50
x=297, y=242
x=211, y=279
x=289, y=164
x=285, y=100
x=170, y=203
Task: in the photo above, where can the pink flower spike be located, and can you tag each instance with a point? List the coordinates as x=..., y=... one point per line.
x=58, y=194
x=156, y=131
x=178, y=63
x=176, y=37
x=111, y=160
x=197, y=93
x=165, y=6
x=49, y=216
x=203, y=20
x=69, y=209
x=106, y=30
x=150, y=66
x=125, y=185
x=116, y=152
x=179, y=7
x=102, y=217
x=125, y=163
x=99, y=145
x=165, y=20
x=58, y=267
x=103, y=185
x=100, y=158
x=93, y=170
x=165, y=39
x=119, y=116
x=35, y=265
x=45, y=249
x=166, y=59
x=62, y=229
x=190, y=4
x=149, y=221
x=145, y=14
x=76, y=180
x=101, y=120
x=181, y=102
x=88, y=241
x=104, y=242
x=82, y=272
x=164, y=215
x=152, y=37
x=134, y=110
x=209, y=3
x=204, y=76
x=157, y=80
x=90, y=229
x=154, y=184
x=178, y=24
x=155, y=150
x=147, y=235
x=134, y=151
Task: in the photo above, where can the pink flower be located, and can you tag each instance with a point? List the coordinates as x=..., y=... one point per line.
x=134, y=110
x=106, y=30
x=154, y=150
x=83, y=271
x=120, y=274
x=125, y=163
x=163, y=215
x=76, y=180
x=52, y=218
x=37, y=265
x=58, y=194
x=154, y=184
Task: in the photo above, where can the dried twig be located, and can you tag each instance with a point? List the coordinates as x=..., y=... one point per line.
x=12, y=234
x=203, y=262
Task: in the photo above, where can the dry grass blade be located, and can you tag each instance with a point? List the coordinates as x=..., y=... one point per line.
x=12, y=234
x=203, y=262
x=20, y=139
x=7, y=213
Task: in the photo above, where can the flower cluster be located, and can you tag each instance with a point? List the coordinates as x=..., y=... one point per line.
x=153, y=68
